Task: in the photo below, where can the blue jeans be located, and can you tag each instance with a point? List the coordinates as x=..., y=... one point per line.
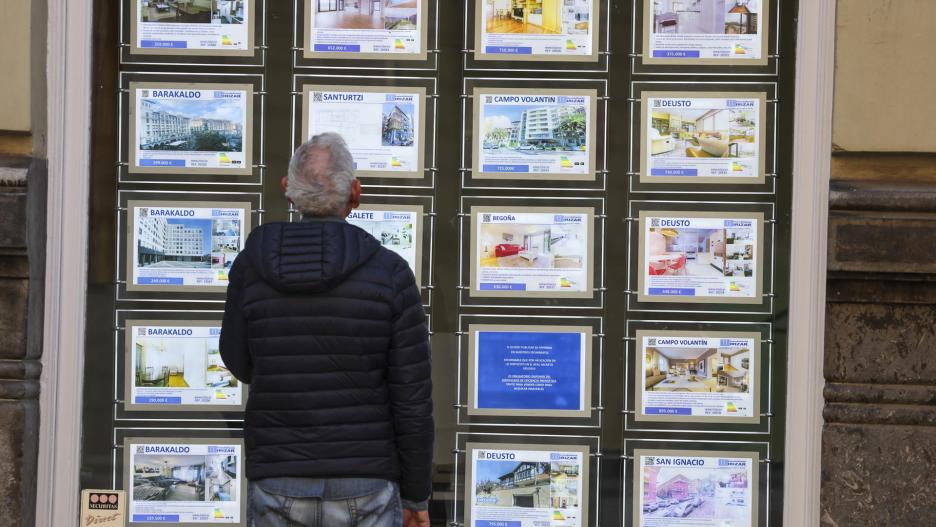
x=269, y=509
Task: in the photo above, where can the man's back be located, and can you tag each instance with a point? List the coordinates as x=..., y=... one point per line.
x=328, y=329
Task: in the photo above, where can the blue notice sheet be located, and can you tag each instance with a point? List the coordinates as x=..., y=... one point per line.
x=530, y=370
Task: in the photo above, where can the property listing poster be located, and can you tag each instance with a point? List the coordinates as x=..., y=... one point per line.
x=542, y=134
x=693, y=139
x=372, y=29
x=543, y=30
x=185, y=481
x=530, y=370
x=199, y=27
x=178, y=366
x=533, y=251
x=383, y=128
x=526, y=486
x=695, y=488
x=190, y=128
x=700, y=256
x=698, y=376
x=176, y=246
x=705, y=31
x=396, y=227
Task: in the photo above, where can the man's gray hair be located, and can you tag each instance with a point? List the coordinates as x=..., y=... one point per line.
x=321, y=172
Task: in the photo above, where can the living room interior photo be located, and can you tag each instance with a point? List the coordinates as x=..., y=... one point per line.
x=698, y=369
x=537, y=246
x=365, y=14
x=706, y=133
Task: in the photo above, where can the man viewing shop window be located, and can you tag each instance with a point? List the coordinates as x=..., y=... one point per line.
x=327, y=327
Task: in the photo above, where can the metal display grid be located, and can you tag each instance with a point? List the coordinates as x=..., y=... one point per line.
x=278, y=70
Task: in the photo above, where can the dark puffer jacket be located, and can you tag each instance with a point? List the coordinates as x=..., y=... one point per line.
x=328, y=329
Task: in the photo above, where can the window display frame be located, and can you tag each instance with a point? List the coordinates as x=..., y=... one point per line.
x=424, y=178
x=761, y=303
x=125, y=437
x=593, y=295
x=472, y=176
x=124, y=249
x=304, y=57
x=634, y=447
x=768, y=64
x=761, y=422
x=255, y=158
x=461, y=454
x=253, y=56
x=768, y=182
x=129, y=404
x=590, y=416
x=598, y=61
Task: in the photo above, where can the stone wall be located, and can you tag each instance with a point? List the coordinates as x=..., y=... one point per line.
x=22, y=259
x=879, y=440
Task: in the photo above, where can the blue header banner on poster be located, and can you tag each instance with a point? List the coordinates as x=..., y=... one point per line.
x=529, y=371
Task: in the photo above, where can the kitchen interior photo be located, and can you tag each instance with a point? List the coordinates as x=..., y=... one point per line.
x=697, y=369
x=693, y=252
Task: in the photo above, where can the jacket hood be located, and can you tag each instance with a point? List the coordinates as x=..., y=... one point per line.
x=308, y=256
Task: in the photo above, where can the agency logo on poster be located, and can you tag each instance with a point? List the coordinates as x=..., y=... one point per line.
x=103, y=508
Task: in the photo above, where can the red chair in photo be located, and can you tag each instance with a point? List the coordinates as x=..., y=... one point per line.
x=679, y=266
x=657, y=268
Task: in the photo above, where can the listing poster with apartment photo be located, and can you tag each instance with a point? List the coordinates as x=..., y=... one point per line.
x=178, y=128
x=702, y=138
x=532, y=251
x=694, y=376
x=529, y=370
x=705, y=31
x=184, y=247
x=695, y=488
x=551, y=30
x=396, y=227
x=382, y=127
x=700, y=257
x=185, y=481
x=526, y=485
x=178, y=366
x=194, y=27
x=366, y=29
x=534, y=134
